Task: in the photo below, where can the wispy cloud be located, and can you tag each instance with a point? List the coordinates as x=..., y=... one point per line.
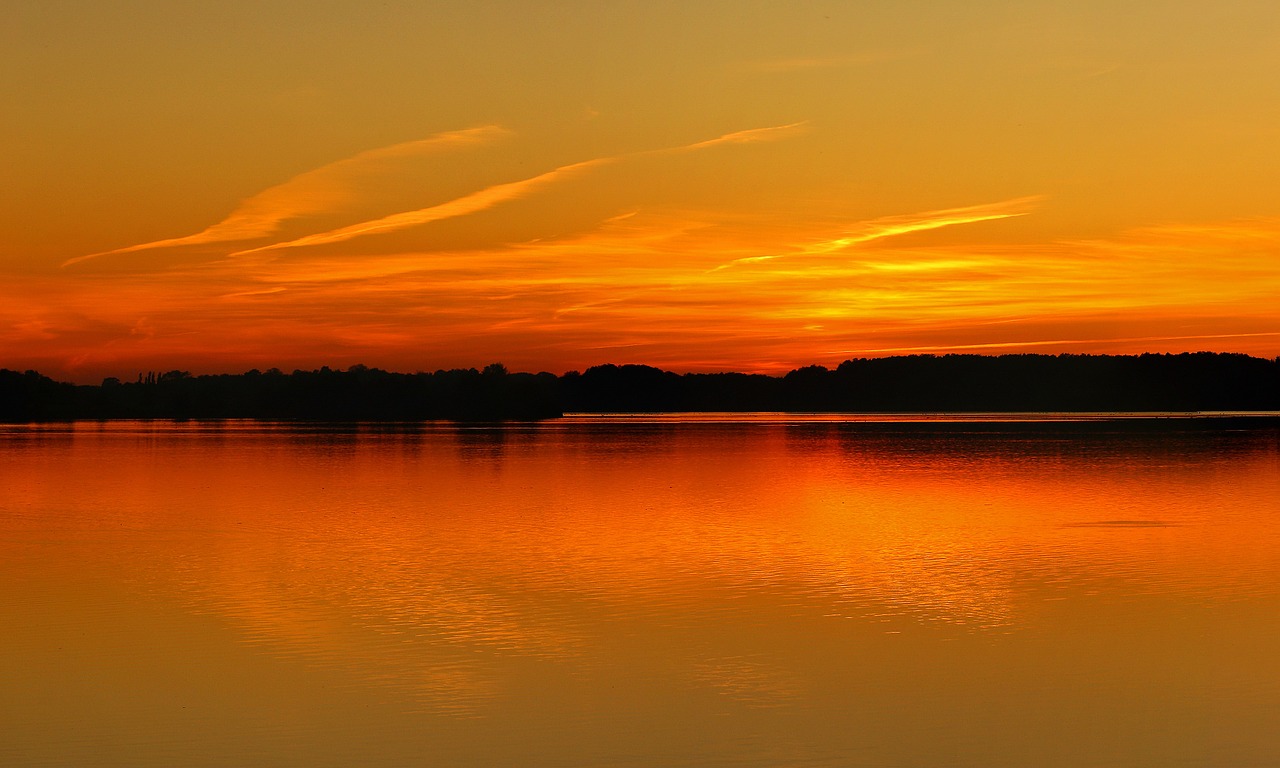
x=467, y=204
x=488, y=197
x=751, y=136
x=891, y=226
x=315, y=191
x=637, y=289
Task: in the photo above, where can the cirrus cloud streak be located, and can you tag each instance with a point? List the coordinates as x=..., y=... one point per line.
x=318, y=190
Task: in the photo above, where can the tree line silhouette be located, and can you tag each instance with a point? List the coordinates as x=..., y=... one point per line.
x=1193, y=382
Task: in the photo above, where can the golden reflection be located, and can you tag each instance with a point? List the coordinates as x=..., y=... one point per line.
x=502, y=544
x=495, y=577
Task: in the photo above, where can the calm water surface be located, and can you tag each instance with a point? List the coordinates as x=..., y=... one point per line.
x=649, y=591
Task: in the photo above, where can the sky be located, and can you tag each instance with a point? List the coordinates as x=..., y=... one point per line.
x=702, y=186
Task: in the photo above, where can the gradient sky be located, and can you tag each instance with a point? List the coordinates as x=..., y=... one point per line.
x=716, y=185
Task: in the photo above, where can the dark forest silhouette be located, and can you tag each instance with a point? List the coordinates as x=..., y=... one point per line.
x=913, y=384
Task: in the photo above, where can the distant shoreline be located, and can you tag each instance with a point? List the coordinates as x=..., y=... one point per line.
x=966, y=388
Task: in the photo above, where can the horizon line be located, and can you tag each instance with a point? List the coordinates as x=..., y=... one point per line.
x=357, y=367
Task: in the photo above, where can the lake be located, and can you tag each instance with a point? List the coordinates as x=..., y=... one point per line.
x=631, y=591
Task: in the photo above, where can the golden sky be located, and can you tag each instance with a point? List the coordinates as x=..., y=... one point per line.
x=714, y=185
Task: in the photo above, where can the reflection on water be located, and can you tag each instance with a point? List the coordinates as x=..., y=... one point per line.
x=754, y=590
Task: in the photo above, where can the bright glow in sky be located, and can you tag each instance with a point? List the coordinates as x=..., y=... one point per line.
x=715, y=185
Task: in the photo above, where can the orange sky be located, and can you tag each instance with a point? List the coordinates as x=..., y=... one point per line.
x=701, y=186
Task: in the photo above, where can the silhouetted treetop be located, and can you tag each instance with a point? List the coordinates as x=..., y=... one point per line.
x=916, y=383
